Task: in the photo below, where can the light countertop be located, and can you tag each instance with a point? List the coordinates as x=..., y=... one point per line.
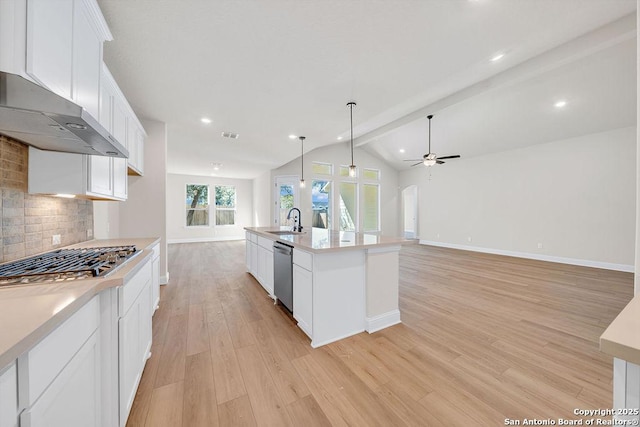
x=622, y=337
x=321, y=240
x=29, y=312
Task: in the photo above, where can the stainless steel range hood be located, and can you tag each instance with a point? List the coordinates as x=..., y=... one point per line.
x=38, y=117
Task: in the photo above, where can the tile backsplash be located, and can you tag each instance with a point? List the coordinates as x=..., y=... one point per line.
x=29, y=221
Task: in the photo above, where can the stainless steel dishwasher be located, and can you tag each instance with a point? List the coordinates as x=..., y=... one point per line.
x=283, y=274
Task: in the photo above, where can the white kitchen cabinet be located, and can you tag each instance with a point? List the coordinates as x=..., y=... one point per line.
x=259, y=260
x=87, y=59
x=254, y=259
x=155, y=278
x=9, y=397
x=73, y=398
x=134, y=331
x=59, y=379
x=303, y=299
x=247, y=248
x=49, y=46
x=93, y=177
x=265, y=269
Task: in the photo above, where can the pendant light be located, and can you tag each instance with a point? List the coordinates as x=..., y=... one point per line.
x=302, y=183
x=352, y=167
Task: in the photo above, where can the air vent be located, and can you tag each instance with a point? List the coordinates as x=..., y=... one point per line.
x=230, y=135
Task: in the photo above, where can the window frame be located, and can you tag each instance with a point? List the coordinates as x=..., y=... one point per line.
x=234, y=208
x=207, y=209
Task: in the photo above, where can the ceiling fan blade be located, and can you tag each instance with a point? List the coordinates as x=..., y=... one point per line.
x=440, y=162
x=412, y=160
x=449, y=157
x=419, y=163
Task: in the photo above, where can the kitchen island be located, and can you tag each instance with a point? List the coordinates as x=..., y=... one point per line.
x=344, y=282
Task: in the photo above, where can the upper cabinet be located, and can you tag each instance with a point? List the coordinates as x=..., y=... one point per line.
x=59, y=45
x=64, y=48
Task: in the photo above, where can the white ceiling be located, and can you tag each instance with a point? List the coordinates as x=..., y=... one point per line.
x=269, y=68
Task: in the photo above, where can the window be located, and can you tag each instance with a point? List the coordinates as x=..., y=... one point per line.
x=371, y=219
x=197, y=205
x=321, y=203
x=371, y=174
x=322, y=168
x=225, y=205
x=348, y=206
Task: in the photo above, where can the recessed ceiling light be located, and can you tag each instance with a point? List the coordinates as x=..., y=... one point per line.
x=497, y=57
x=216, y=166
x=401, y=150
x=205, y=120
x=230, y=135
x=339, y=138
x=292, y=136
x=560, y=104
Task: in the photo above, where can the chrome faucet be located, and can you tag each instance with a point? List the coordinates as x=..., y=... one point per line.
x=296, y=219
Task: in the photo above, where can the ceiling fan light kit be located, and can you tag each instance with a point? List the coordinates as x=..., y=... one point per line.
x=352, y=168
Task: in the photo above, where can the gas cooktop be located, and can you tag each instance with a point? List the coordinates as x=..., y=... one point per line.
x=65, y=265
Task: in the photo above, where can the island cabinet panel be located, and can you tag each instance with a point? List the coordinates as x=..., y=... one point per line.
x=303, y=299
x=9, y=397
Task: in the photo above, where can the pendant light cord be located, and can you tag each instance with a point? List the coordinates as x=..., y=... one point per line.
x=302, y=138
x=351, y=117
x=429, y=117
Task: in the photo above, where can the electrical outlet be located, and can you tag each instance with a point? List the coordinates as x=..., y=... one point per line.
x=540, y=245
x=89, y=233
x=438, y=235
x=469, y=239
x=55, y=239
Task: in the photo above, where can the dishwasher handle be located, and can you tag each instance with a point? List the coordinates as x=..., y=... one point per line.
x=282, y=248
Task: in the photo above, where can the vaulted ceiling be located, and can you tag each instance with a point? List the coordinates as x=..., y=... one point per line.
x=266, y=69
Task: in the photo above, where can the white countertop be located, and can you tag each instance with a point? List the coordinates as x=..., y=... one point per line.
x=322, y=240
x=622, y=338
x=29, y=312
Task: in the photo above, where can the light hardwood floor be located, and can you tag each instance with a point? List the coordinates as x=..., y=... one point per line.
x=483, y=338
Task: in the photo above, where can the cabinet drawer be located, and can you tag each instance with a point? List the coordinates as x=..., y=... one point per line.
x=38, y=368
x=252, y=237
x=132, y=288
x=303, y=259
x=265, y=243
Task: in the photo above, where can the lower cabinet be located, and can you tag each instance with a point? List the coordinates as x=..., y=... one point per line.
x=9, y=397
x=259, y=260
x=73, y=398
x=155, y=278
x=59, y=379
x=303, y=299
x=134, y=337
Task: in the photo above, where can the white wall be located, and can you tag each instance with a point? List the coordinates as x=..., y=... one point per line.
x=178, y=232
x=262, y=190
x=339, y=154
x=576, y=197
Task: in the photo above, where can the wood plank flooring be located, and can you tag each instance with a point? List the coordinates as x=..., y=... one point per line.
x=483, y=338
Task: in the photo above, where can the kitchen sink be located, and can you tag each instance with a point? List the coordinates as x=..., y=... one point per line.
x=281, y=232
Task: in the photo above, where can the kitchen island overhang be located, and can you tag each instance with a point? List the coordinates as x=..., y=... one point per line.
x=344, y=282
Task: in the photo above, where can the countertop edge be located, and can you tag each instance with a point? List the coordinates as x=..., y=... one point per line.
x=96, y=286
x=274, y=238
x=618, y=339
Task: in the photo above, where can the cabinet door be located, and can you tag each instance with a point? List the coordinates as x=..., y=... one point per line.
x=50, y=44
x=132, y=142
x=119, y=122
x=303, y=299
x=100, y=179
x=9, y=397
x=262, y=260
x=247, y=255
x=140, y=151
x=155, y=283
x=106, y=103
x=135, y=344
x=73, y=398
x=254, y=259
x=119, y=178
x=268, y=272
x=87, y=60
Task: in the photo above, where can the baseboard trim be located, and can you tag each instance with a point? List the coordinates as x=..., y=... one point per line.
x=316, y=344
x=382, y=321
x=538, y=257
x=205, y=239
x=164, y=279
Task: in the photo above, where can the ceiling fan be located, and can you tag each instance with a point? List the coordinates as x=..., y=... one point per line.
x=430, y=158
